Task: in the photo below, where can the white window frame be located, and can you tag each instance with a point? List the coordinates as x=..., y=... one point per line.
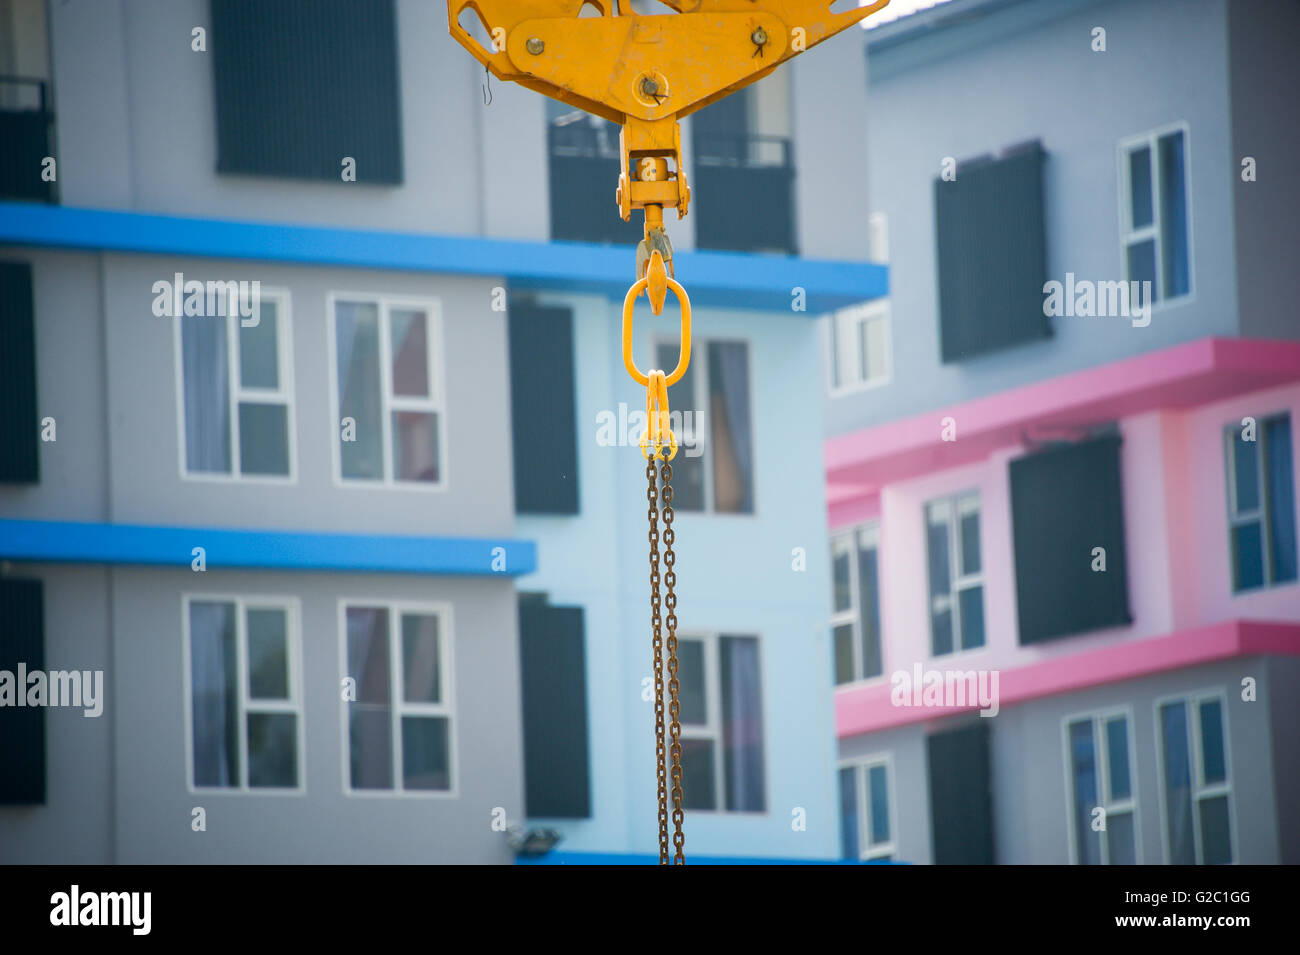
x=1128, y=235
x=851, y=538
x=435, y=403
x=1260, y=514
x=1101, y=759
x=237, y=393
x=957, y=580
x=397, y=706
x=700, y=403
x=849, y=323
x=1199, y=790
x=712, y=730
x=861, y=776
x=293, y=706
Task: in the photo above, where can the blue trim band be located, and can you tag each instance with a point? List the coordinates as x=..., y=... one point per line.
x=716, y=279
x=67, y=542
x=633, y=858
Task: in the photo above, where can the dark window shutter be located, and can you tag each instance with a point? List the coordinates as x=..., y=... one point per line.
x=302, y=85
x=22, y=728
x=1065, y=501
x=19, y=427
x=542, y=409
x=554, y=673
x=992, y=255
x=583, y=170
x=961, y=799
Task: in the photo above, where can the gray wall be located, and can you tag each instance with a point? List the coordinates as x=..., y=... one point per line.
x=978, y=90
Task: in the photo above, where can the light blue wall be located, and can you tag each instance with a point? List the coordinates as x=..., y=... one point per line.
x=1026, y=72
x=734, y=575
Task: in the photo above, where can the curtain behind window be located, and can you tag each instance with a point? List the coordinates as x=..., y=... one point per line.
x=214, y=694
x=742, y=724
x=733, y=480
x=207, y=396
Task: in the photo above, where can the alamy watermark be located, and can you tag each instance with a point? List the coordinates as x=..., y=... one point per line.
x=1084, y=298
x=83, y=688
x=624, y=429
x=218, y=299
x=945, y=688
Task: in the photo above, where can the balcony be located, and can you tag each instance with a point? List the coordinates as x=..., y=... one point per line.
x=584, y=173
x=743, y=192
x=25, y=124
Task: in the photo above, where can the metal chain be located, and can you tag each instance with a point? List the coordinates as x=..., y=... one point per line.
x=674, y=706
x=652, y=495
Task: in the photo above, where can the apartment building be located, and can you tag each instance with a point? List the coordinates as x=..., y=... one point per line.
x=1060, y=459
x=316, y=446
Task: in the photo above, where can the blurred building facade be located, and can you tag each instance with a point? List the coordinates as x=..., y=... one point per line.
x=366, y=575
x=1086, y=491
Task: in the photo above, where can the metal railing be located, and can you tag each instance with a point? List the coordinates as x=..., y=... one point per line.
x=26, y=122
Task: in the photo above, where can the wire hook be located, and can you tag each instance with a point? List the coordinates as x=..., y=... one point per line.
x=487, y=87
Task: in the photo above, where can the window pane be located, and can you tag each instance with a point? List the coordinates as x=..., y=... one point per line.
x=370, y=740
x=690, y=677
x=357, y=344
x=698, y=790
x=421, y=675
x=1121, y=845
x=272, y=749
x=1245, y=471
x=1178, y=781
x=415, y=446
x=849, y=845
x=878, y=792
x=1247, y=556
x=268, y=654
x=263, y=439
x=259, y=352
x=941, y=630
x=426, y=759
x=844, y=654
x=207, y=394
x=1213, y=763
x=1139, y=177
x=410, y=342
x=742, y=724
x=842, y=597
x=368, y=653
x=969, y=525
x=970, y=602
x=1117, y=755
x=1281, y=498
x=869, y=610
x=838, y=378
x=1174, y=272
x=872, y=337
x=733, y=478
x=1083, y=767
x=937, y=548
x=688, y=466
x=1216, y=839
x=215, y=694
x=1142, y=268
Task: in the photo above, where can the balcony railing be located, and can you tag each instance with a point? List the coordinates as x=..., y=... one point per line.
x=584, y=174
x=25, y=124
x=744, y=193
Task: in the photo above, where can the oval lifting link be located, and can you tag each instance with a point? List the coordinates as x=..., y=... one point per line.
x=645, y=73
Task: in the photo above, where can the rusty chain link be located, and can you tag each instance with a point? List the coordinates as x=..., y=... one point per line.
x=674, y=706
x=652, y=495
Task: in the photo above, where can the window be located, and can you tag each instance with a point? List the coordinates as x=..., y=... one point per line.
x=1261, y=503
x=956, y=580
x=722, y=723
x=1100, y=759
x=245, y=701
x=236, y=391
x=1195, y=779
x=715, y=393
x=20, y=441
x=866, y=819
x=855, y=621
x=388, y=391
x=1154, y=222
x=22, y=728
x=860, y=347
x=300, y=88
x=399, y=720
